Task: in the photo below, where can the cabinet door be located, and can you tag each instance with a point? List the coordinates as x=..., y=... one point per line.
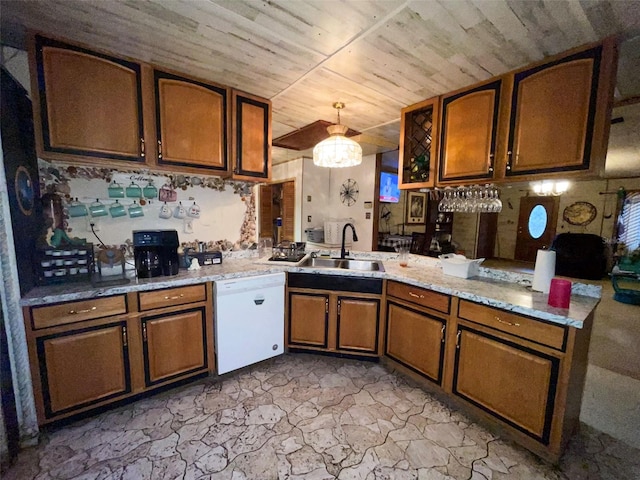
x=418, y=133
x=90, y=104
x=191, y=122
x=416, y=340
x=308, y=319
x=174, y=345
x=512, y=382
x=83, y=367
x=251, y=147
x=552, y=117
x=358, y=324
x=468, y=133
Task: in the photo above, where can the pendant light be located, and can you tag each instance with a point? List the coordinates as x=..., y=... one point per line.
x=337, y=151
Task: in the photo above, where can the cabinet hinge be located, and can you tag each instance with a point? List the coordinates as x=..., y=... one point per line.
x=458, y=339
x=124, y=337
x=144, y=331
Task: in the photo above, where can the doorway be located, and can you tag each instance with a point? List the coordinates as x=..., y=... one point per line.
x=277, y=201
x=536, y=226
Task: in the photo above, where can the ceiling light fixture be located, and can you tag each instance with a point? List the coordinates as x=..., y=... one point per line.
x=550, y=188
x=337, y=151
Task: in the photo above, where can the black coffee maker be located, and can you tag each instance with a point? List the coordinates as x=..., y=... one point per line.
x=155, y=252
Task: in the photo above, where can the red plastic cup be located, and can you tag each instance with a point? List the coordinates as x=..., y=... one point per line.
x=559, y=293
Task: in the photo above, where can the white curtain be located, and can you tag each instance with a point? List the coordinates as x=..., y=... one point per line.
x=14, y=323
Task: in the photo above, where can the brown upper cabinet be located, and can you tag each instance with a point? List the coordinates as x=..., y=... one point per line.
x=191, y=121
x=87, y=104
x=251, y=141
x=548, y=119
x=418, y=133
x=560, y=113
x=94, y=107
x=469, y=125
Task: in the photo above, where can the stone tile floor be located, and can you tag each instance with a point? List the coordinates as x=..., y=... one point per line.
x=304, y=417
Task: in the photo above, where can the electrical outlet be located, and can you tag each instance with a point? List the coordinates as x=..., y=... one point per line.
x=308, y=198
x=308, y=218
x=93, y=226
x=188, y=225
x=367, y=216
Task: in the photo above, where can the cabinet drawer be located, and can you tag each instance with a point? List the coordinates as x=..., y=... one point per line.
x=171, y=296
x=426, y=298
x=71, y=312
x=530, y=329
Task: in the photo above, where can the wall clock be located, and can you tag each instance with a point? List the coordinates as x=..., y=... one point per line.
x=349, y=192
x=579, y=213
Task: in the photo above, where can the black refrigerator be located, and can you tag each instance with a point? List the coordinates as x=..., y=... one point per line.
x=21, y=169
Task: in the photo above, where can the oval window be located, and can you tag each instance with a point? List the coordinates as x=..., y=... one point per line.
x=537, y=221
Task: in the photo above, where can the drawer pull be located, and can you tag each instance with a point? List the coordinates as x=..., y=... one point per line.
x=514, y=324
x=76, y=312
x=415, y=295
x=175, y=297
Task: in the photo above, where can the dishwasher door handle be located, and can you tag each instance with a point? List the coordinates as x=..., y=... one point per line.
x=259, y=299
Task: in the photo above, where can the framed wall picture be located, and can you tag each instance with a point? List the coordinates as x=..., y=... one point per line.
x=416, y=208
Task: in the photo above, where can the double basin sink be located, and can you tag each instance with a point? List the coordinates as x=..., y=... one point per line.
x=343, y=263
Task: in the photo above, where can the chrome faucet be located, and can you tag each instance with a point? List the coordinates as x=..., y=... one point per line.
x=343, y=252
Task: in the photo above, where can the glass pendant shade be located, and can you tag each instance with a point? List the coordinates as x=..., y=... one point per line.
x=337, y=151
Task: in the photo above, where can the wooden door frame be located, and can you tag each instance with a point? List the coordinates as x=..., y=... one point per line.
x=376, y=204
x=271, y=183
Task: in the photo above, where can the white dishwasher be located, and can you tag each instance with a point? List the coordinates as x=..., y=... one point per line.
x=249, y=320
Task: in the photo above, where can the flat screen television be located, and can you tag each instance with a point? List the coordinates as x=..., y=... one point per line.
x=389, y=191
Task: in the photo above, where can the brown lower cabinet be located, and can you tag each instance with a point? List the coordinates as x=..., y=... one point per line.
x=510, y=381
x=91, y=353
x=416, y=340
x=174, y=345
x=522, y=374
x=334, y=321
x=83, y=366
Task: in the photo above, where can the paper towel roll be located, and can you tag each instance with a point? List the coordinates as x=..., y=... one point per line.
x=545, y=270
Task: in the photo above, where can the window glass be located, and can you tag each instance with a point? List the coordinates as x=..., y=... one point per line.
x=629, y=222
x=537, y=221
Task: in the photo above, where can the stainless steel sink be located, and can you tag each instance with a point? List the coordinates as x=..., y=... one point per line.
x=346, y=264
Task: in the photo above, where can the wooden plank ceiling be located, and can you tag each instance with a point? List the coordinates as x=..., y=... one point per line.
x=376, y=56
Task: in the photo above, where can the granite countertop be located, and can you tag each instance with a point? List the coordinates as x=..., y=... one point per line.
x=497, y=288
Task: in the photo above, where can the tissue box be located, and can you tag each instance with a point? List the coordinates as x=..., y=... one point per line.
x=459, y=265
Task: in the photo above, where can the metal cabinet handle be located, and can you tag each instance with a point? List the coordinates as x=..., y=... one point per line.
x=76, y=312
x=509, y=160
x=514, y=324
x=176, y=297
x=339, y=306
x=144, y=331
x=142, y=153
x=415, y=295
x=124, y=337
x=442, y=332
x=159, y=148
x=326, y=306
x=458, y=339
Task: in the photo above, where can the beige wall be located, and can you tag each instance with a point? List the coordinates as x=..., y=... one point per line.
x=583, y=191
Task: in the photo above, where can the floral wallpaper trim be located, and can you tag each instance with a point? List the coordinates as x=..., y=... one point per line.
x=54, y=178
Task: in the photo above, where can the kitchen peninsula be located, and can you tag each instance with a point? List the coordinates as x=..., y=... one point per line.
x=500, y=351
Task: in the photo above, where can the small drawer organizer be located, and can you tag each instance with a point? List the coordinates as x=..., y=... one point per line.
x=73, y=263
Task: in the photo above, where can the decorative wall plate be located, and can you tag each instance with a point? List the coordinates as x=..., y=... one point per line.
x=349, y=192
x=580, y=213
